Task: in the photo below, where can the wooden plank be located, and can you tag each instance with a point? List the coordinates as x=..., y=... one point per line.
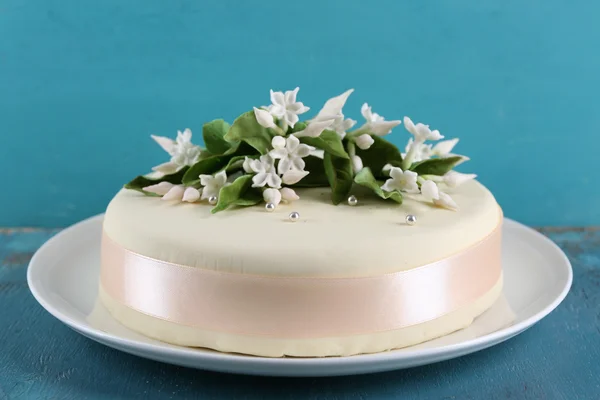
x=556, y=359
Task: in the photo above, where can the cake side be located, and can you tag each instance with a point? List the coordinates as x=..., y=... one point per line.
x=330, y=241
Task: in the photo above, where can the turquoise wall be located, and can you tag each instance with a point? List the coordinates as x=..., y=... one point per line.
x=84, y=83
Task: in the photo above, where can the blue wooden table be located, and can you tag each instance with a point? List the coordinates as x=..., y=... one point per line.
x=559, y=358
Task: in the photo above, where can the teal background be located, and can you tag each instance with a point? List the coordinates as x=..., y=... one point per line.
x=84, y=83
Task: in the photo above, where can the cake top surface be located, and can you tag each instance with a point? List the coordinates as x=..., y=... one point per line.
x=267, y=154
x=371, y=238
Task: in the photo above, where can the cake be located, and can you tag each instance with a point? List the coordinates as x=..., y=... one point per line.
x=306, y=239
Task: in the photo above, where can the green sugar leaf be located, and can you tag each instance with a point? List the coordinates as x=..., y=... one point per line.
x=379, y=154
x=435, y=166
x=238, y=193
x=339, y=174
x=206, y=166
x=140, y=182
x=213, y=133
x=317, y=176
x=247, y=129
x=329, y=141
x=365, y=178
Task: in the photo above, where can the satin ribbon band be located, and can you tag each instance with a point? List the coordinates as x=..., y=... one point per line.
x=298, y=307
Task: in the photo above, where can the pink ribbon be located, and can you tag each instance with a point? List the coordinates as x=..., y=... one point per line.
x=299, y=307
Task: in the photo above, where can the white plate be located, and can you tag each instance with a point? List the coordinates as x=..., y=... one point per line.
x=63, y=277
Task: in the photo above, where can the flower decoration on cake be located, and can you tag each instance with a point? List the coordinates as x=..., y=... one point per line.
x=267, y=154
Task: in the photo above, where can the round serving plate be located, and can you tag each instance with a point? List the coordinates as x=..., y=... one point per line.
x=63, y=277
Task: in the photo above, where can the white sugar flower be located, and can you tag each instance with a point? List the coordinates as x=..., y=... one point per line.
x=272, y=196
x=275, y=196
x=445, y=201
x=421, y=132
x=332, y=109
x=182, y=151
x=314, y=128
x=357, y=163
x=293, y=176
x=405, y=181
x=421, y=151
x=288, y=194
x=364, y=141
x=285, y=107
x=171, y=192
x=264, y=118
x=431, y=192
x=453, y=179
x=376, y=124
x=443, y=148
x=213, y=184
x=264, y=168
x=290, y=153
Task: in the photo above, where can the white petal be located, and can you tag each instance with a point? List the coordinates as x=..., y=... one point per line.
x=318, y=153
x=446, y=201
x=435, y=135
x=272, y=196
x=430, y=190
x=315, y=128
x=387, y=168
x=303, y=150
x=365, y=110
x=191, y=195
x=277, y=98
x=167, y=168
x=410, y=126
x=278, y=142
x=389, y=186
x=185, y=136
x=258, y=180
x=278, y=153
x=160, y=188
x=333, y=106
x=293, y=176
x=284, y=165
x=167, y=144
x=247, y=165
x=176, y=193
x=290, y=96
x=274, y=181
x=291, y=143
x=357, y=163
x=291, y=118
x=454, y=179
x=264, y=118
x=206, y=180
x=383, y=127
x=444, y=147
x=396, y=173
x=364, y=141
x=221, y=178
x=288, y=194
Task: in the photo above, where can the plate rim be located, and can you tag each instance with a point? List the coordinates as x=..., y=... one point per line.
x=356, y=361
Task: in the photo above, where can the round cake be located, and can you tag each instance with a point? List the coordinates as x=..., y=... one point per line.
x=406, y=256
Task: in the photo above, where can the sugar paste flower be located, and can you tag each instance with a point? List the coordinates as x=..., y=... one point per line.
x=182, y=151
x=404, y=181
x=275, y=196
x=285, y=107
x=431, y=192
x=332, y=111
x=171, y=192
x=375, y=123
x=290, y=153
x=213, y=184
x=264, y=168
x=264, y=118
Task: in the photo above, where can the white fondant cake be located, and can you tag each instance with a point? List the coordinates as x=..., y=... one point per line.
x=369, y=239
x=409, y=251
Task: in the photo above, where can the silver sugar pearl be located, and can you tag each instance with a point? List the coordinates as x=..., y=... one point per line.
x=270, y=207
x=411, y=219
x=213, y=200
x=294, y=216
x=352, y=200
